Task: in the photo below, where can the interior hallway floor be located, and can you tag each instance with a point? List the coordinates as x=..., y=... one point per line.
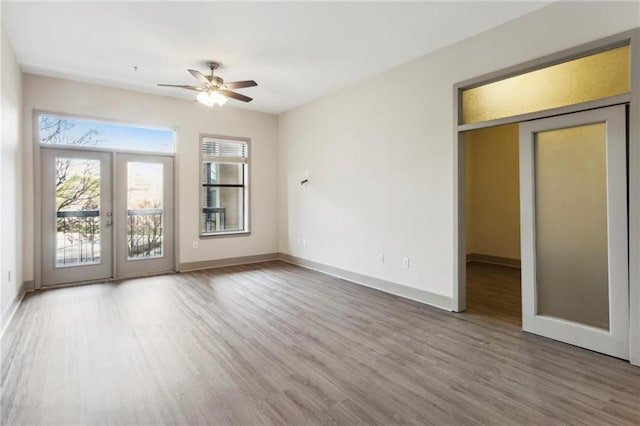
x=494, y=291
x=273, y=343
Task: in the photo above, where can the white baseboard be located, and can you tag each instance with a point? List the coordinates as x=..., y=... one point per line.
x=6, y=318
x=423, y=296
x=229, y=261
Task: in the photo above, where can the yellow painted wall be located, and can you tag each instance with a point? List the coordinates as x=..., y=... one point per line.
x=493, y=192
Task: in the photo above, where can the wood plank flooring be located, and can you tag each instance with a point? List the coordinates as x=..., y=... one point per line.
x=276, y=344
x=494, y=291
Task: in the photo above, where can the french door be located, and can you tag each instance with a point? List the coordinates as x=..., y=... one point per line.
x=573, y=198
x=144, y=223
x=77, y=216
x=91, y=232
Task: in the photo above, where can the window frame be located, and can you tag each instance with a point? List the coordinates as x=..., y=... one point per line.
x=246, y=186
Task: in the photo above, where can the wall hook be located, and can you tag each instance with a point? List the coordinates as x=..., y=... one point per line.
x=304, y=181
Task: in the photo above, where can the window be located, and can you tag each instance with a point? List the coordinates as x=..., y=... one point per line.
x=601, y=75
x=224, y=197
x=81, y=133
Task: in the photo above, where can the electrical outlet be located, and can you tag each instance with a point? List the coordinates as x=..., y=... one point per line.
x=405, y=262
x=304, y=243
x=381, y=258
x=196, y=245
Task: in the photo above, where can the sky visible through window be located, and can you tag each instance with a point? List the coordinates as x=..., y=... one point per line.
x=104, y=135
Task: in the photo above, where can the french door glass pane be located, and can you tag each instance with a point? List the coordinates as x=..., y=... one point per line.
x=145, y=212
x=571, y=225
x=77, y=198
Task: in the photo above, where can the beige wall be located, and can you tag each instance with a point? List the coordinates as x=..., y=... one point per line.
x=492, y=191
x=380, y=153
x=190, y=119
x=11, y=217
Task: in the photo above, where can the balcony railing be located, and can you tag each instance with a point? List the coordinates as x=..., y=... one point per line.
x=213, y=219
x=144, y=233
x=78, y=239
x=79, y=243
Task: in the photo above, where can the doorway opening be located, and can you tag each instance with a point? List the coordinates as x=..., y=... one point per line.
x=552, y=102
x=492, y=216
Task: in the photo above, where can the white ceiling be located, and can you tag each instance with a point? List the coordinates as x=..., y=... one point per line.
x=296, y=51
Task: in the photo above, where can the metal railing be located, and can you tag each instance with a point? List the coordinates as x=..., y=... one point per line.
x=144, y=233
x=78, y=239
x=214, y=219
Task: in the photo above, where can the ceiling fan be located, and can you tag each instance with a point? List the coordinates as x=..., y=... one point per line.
x=214, y=90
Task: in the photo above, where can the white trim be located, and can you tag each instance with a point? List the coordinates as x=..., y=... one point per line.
x=84, y=148
x=422, y=296
x=634, y=202
x=37, y=201
x=228, y=261
x=13, y=308
x=176, y=209
x=459, y=272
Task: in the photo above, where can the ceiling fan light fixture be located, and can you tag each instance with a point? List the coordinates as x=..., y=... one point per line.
x=211, y=98
x=218, y=98
x=213, y=90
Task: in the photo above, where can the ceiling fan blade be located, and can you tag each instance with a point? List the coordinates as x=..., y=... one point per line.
x=240, y=84
x=198, y=75
x=234, y=95
x=183, y=86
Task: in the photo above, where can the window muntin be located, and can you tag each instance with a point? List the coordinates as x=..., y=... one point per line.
x=598, y=76
x=71, y=131
x=223, y=181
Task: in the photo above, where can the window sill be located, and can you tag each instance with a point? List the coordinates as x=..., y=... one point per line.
x=225, y=234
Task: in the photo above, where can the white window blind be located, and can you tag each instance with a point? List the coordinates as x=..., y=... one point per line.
x=224, y=150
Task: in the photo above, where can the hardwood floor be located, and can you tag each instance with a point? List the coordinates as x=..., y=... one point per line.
x=276, y=344
x=494, y=291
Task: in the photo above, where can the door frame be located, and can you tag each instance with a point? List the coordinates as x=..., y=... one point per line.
x=632, y=38
x=37, y=179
